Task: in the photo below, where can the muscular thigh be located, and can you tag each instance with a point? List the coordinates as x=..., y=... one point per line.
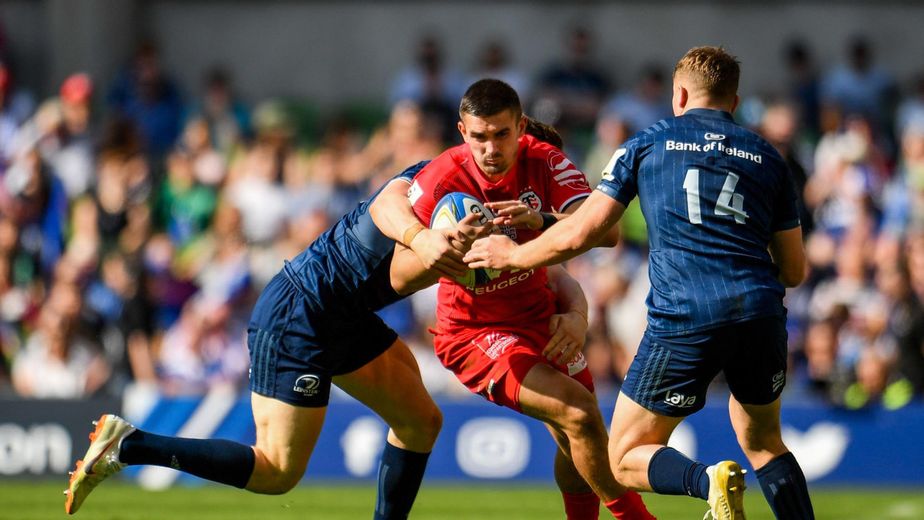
x=494, y=363
x=296, y=349
x=755, y=364
x=670, y=375
x=390, y=385
x=286, y=434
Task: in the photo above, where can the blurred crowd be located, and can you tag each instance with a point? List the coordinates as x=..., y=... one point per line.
x=140, y=218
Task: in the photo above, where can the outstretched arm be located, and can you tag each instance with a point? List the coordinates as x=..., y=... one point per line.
x=566, y=239
x=518, y=214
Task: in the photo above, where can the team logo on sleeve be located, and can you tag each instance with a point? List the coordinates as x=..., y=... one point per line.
x=531, y=199
x=566, y=173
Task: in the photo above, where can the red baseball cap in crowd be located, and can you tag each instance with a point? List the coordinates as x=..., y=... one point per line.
x=77, y=88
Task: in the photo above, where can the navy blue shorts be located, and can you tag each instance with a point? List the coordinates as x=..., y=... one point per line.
x=296, y=349
x=670, y=374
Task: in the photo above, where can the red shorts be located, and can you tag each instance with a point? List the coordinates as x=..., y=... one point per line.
x=493, y=362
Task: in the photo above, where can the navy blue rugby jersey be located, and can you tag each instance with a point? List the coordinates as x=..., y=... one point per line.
x=348, y=266
x=712, y=193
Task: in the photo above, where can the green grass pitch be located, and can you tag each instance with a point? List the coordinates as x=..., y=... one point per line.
x=436, y=501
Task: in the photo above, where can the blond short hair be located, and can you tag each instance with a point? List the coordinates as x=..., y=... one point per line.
x=711, y=69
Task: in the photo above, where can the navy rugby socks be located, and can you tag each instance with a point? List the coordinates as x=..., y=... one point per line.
x=672, y=473
x=784, y=486
x=217, y=460
x=400, y=474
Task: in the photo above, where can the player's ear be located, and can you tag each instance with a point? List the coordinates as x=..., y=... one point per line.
x=680, y=98
x=461, y=126
x=521, y=126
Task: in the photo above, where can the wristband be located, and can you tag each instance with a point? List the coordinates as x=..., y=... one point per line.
x=548, y=220
x=411, y=232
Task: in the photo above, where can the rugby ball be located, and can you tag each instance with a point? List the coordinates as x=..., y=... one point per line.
x=449, y=211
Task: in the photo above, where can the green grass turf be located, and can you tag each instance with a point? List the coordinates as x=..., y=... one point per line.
x=121, y=501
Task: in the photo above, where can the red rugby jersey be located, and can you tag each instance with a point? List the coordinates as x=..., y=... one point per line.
x=543, y=178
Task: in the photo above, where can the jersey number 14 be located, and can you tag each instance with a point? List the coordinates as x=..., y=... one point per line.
x=729, y=203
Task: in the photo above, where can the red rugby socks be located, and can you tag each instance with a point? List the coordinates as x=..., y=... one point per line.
x=581, y=506
x=629, y=507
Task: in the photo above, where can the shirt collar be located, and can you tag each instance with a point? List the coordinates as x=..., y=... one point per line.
x=708, y=112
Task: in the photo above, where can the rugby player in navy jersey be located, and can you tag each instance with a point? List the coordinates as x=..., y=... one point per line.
x=314, y=325
x=725, y=240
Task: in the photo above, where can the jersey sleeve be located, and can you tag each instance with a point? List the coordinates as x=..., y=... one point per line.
x=785, y=207
x=567, y=184
x=620, y=175
x=420, y=194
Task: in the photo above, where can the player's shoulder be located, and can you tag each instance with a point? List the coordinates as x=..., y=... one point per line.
x=411, y=171
x=533, y=149
x=762, y=142
x=646, y=137
x=713, y=125
x=445, y=164
x=542, y=156
x=759, y=145
x=533, y=145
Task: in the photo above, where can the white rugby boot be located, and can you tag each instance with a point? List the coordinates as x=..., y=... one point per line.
x=100, y=462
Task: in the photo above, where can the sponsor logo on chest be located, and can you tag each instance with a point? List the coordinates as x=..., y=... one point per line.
x=514, y=278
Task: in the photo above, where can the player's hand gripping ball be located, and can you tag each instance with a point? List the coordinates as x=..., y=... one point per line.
x=447, y=214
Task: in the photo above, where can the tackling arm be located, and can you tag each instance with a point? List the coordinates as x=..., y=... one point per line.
x=408, y=272
x=566, y=239
x=392, y=214
x=385, y=210
x=609, y=239
x=516, y=213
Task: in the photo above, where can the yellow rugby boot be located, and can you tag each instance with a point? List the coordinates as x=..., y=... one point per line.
x=726, y=491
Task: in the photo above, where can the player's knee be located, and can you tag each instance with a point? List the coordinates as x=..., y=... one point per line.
x=431, y=424
x=757, y=438
x=582, y=416
x=422, y=427
x=274, y=475
x=279, y=482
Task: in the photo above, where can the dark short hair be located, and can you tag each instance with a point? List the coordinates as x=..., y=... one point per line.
x=488, y=97
x=712, y=69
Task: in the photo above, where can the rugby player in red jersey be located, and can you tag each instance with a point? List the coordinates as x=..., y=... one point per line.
x=496, y=337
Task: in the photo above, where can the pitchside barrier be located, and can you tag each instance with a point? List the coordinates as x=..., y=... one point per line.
x=479, y=441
